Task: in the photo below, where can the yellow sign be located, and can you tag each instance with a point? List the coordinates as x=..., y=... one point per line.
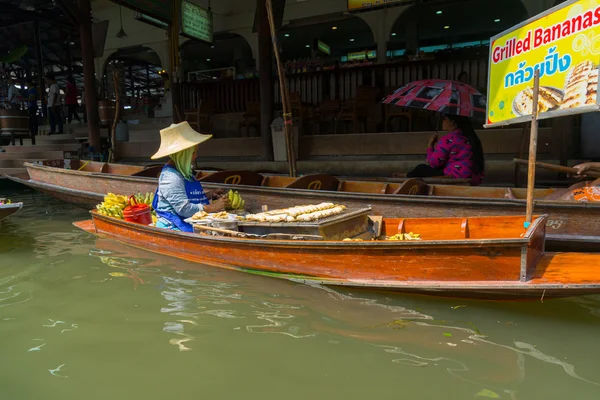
x=564, y=45
x=354, y=5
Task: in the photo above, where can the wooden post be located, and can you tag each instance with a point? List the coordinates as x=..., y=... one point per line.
x=265, y=60
x=113, y=134
x=532, y=150
x=89, y=76
x=174, y=74
x=131, y=82
x=40, y=67
x=285, y=96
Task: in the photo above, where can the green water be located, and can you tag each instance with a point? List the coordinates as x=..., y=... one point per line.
x=82, y=318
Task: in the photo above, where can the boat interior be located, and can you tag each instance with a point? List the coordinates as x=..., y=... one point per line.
x=408, y=186
x=474, y=228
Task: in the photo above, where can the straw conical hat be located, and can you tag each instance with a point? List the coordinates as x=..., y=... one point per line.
x=178, y=137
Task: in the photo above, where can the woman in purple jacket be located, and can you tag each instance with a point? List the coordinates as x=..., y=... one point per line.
x=458, y=154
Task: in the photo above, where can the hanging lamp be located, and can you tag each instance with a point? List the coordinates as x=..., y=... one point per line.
x=121, y=34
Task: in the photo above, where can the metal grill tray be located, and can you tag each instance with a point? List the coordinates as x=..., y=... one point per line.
x=350, y=223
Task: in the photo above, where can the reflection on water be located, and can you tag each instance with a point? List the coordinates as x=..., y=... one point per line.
x=86, y=317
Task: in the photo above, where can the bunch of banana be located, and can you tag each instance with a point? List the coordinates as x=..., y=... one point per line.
x=113, y=205
x=144, y=198
x=405, y=236
x=114, y=211
x=236, y=201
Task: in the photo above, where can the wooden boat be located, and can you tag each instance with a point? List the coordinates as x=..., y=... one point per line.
x=480, y=257
x=572, y=226
x=6, y=210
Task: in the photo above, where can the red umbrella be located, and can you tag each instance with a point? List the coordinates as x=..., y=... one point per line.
x=448, y=97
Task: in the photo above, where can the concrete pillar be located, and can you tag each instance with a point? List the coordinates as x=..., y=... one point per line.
x=381, y=23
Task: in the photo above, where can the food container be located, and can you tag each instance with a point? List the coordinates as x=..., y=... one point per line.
x=230, y=224
x=137, y=213
x=350, y=223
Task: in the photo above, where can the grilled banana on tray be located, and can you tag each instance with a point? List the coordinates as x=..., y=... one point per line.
x=299, y=214
x=548, y=99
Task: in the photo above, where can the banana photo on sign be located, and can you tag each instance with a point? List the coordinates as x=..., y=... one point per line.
x=564, y=45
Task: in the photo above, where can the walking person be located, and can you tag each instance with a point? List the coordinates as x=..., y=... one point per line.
x=71, y=101
x=14, y=95
x=32, y=108
x=54, y=113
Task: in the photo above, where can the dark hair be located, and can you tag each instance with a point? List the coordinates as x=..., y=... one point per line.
x=464, y=125
x=464, y=73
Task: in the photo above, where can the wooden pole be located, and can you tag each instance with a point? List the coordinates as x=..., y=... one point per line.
x=557, y=168
x=285, y=96
x=113, y=134
x=89, y=79
x=40, y=67
x=174, y=73
x=265, y=70
x=532, y=150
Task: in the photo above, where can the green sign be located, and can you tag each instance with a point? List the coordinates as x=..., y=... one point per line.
x=159, y=9
x=196, y=22
x=323, y=47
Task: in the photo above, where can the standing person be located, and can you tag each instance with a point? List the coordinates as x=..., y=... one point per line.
x=71, y=101
x=32, y=108
x=83, y=108
x=459, y=154
x=14, y=95
x=54, y=113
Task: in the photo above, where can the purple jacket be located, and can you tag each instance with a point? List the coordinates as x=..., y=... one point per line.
x=454, y=154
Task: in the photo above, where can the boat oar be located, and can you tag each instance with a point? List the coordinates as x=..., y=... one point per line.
x=222, y=231
x=557, y=168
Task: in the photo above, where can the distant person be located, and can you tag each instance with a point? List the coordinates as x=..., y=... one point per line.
x=71, y=101
x=458, y=154
x=14, y=95
x=83, y=107
x=463, y=77
x=32, y=108
x=54, y=104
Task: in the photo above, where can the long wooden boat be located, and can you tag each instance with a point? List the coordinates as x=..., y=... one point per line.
x=480, y=257
x=6, y=210
x=572, y=226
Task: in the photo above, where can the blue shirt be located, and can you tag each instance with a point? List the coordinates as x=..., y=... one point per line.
x=32, y=92
x=172, y=196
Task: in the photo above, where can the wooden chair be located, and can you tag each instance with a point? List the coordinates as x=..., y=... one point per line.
x=360, y=109
x=301, y=111
x=326, y=113
x=394, y=112
x=251, y=118
x=201, y=117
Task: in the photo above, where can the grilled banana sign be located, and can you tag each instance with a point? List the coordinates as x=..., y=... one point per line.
x=563, y=44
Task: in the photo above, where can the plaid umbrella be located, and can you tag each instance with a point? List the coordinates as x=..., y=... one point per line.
x=448, y=97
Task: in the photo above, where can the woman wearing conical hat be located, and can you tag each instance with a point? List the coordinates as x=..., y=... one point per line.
x=179, y=194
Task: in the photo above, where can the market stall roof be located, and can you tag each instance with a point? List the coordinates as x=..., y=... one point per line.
x=59, y=37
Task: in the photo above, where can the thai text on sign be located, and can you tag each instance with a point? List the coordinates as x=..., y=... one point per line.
x=564, y=45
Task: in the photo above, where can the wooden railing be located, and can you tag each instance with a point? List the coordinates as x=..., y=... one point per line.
x=231, y=96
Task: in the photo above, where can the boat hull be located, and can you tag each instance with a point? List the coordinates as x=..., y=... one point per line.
x=572, y=226
x=9, y=209
x=486, y=270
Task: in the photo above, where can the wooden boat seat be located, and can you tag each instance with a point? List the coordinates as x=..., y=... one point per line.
x=363, y=187
x=413, y=187
x=243, y=177
x=315, y=182
x=119, y=169
x=499, y=227
x=150, y=172
x=88, y=166
x=277, y=181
